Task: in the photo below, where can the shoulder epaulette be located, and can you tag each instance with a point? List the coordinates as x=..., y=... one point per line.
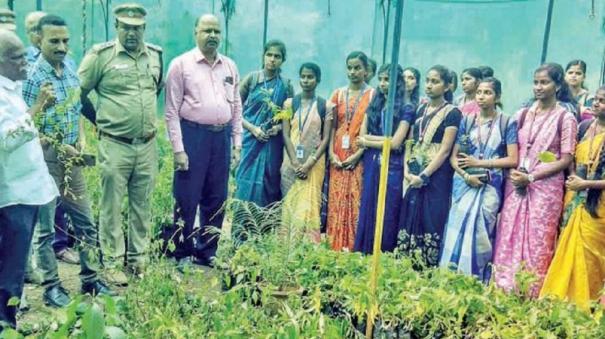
x=102, y=46
x=153, y=47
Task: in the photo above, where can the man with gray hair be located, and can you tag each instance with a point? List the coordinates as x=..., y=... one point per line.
x=25, y=183
x=33, y=34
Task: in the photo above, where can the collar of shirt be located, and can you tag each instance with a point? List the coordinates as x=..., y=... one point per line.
x=32, y=53
x=48, y=68
x=200, y=57
x=121, y=49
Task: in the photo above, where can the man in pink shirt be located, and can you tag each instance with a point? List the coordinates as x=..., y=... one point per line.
x=204, y=118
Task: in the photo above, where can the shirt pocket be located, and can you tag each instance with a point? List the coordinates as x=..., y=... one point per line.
x=229, y=92
x=119, y=77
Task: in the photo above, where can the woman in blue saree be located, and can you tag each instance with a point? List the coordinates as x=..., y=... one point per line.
x=485, y=146
x=403, y=117
x=428, y=173
x=263, y=92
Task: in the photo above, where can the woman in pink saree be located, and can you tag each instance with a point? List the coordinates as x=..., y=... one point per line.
x=533, y=202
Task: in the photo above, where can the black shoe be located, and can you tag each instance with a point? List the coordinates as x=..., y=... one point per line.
x=56, y=296
x=204, y=262
x=97, y=287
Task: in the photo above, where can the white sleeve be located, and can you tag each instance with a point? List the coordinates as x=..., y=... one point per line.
x=14, y=132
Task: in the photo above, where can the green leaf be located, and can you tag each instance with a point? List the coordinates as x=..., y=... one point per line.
x=547, y=157
x=93, y=322
x=110, y=305
x=9, y=333
x=14, y=301
x=115, y=332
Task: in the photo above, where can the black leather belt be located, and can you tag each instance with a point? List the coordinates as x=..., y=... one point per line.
x=211, y=128
x=130, y=141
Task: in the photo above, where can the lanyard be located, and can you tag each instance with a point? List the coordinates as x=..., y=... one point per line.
x=482, y=145
x=267, y=89
x=349, y=114
x=423, y=125
x=532, y=138
x=301, y=122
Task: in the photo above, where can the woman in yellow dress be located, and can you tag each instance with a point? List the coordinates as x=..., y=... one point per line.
x=577, y=271
x=306, y=137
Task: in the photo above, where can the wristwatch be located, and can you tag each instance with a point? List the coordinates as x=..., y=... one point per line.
x=425, y=179
x=530, y=178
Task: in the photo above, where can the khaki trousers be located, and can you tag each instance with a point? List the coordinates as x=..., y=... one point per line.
x=126, y=170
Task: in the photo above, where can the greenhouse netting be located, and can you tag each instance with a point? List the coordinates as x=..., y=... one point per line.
x=508, y=35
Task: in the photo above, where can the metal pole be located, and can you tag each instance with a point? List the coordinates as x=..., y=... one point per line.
x=388, y=127
x=547, y=31
x=92, y=23
x=384, y=168
x=386, y=32
x=375, y=28
x=38, y=5
x=266, y=22
x=83, y=27
x=602, y=78
x=107, y=19
x=11, y=5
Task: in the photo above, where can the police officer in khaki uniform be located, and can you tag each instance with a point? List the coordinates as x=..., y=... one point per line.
x=7, y=20
x=126, y=75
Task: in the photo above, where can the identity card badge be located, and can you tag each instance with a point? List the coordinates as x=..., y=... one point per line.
x=346, y=141
x=300, y=152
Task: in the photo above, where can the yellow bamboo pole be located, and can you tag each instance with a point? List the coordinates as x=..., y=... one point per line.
x=382, y=193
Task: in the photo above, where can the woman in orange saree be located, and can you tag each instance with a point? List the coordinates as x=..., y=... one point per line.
x=344, y=194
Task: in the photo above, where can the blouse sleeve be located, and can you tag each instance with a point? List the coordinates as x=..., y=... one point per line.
x=409, y=114
x=334, y=97
x=569, y=131
x=453, y=118
x=511, y=132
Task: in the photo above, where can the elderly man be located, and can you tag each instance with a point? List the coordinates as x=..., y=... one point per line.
x=7, y=20
x=60, y=125
x=25, y=184
x=204, y=118
x=33, y=35
x=126, y=74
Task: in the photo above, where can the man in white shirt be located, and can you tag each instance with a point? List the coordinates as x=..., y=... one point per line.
x=25, y=183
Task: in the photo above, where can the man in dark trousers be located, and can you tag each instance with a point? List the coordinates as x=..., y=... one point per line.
x=204, y=118
x=25, y=183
